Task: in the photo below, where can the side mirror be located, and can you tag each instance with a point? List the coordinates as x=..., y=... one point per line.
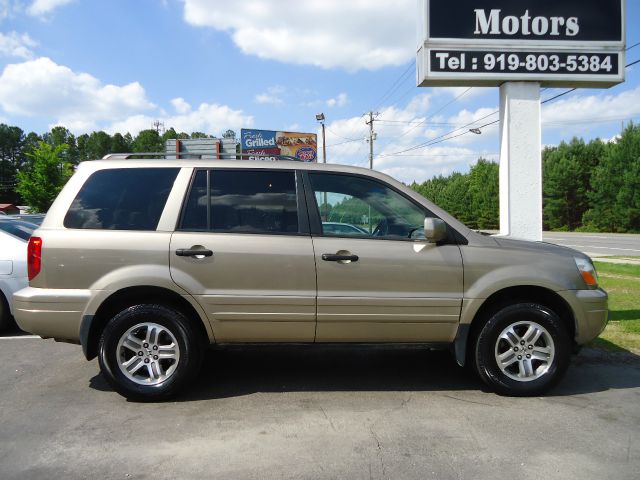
x=435, y=230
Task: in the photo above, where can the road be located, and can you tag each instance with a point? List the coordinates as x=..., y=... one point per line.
x=597, y=244
x=315, y=412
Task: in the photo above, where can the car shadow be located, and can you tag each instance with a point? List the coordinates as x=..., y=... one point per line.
x=14, y=331
x=233, y=371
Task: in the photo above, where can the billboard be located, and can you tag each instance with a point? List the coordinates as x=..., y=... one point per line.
x=568, y=43
x=266, y=144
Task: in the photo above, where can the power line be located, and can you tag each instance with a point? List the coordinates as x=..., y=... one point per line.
x=558, y=96
x=340, y=136
x=474, y=154
x=348, y=141
x=441, y=138
x=632, y=46
x=438, y=111
x=396, y=84
x=632, y=63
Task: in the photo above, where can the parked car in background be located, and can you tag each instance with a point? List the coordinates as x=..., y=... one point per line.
x=145, y=262
x=343, y=229
x=35, y=218
x=14, y=235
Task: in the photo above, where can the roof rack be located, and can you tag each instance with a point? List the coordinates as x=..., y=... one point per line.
x=204, y=156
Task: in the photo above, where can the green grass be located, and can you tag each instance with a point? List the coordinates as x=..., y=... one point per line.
x=622, y=282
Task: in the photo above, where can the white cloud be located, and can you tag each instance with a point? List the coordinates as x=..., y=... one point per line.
x=7, y=9
x=181, y=105
x=273, y=96
x=43, y=88
x=400, y=129
x=580, y=112
x=39, y=8
x=339, y=101
x=265, y=98
x=353, y=35
x=208, y=117
x=14, y=44
x=82, y=103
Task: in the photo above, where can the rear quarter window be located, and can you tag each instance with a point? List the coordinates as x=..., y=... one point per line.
x=122, y=199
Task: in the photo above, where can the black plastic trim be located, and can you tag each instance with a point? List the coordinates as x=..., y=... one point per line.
x=85, y=331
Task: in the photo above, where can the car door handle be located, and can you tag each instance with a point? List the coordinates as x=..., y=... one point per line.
x=193, y=252
x=336, y=257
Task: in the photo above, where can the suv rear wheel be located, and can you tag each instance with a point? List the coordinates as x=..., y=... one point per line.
x=523, y=349
x=149, y=352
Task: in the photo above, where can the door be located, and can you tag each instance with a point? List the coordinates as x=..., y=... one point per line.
x=243, y=250
x=378, y=278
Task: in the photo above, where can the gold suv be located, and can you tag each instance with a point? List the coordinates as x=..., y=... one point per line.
x=146, y=262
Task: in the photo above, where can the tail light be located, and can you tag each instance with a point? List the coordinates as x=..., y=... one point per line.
x=34, y=257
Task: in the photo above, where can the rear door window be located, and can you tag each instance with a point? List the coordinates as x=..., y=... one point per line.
x=122, y=199
x=242, y=201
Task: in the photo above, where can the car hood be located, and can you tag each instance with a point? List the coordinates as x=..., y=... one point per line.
x=540, y=247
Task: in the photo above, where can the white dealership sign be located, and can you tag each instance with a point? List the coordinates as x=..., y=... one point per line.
x=521, y=45
x=559, y=43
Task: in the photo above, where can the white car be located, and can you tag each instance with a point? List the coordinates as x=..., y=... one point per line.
x=14, y=235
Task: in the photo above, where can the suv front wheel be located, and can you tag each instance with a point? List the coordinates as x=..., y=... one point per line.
x=523, y=349
x=149, y=352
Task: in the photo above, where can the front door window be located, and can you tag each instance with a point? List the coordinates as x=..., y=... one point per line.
x=360, y=207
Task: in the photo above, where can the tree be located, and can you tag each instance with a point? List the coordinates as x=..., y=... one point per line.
x=60, y=135
x=433, y=189
x=148, y=141
x=171, y=134
x=200, y=135
x=120, y=143
x=567, y=171
x=457, y=199
x=11, y=160
x=82, y=142
x=483, y=190
x=615, y=197
x=97, y=145
x=30, y=143
x=40, y=184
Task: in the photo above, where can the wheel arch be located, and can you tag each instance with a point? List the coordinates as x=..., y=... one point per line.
x=91, y=326
x=510, y=296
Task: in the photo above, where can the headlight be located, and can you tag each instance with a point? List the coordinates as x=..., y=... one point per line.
x=588, y=272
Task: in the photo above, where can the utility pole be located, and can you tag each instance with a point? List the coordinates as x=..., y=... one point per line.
x=324, y=146
x=320, y=118
x=372, y=135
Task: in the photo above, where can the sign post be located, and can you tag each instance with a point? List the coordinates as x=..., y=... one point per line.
x=520, y=161
x=521, y=45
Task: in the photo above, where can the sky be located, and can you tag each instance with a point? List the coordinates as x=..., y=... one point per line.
x=212, y=65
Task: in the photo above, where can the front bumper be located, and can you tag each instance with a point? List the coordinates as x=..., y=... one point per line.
x=50, y=313
x=590, y=309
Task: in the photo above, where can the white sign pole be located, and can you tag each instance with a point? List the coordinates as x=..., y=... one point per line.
x=520, y=161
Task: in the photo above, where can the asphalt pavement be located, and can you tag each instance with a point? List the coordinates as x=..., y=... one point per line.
x=597, y=244
x=315, y=412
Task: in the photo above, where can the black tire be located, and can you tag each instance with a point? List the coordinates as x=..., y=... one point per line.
x=487, y=346
x=187, y=366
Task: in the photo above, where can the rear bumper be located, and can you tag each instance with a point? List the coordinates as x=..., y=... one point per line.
x=590, y=309
x=50, y=313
